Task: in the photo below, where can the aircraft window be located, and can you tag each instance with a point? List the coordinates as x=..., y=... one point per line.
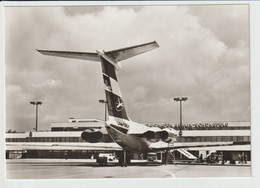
x=188, y=139
x=57, y=129
x=75, y=139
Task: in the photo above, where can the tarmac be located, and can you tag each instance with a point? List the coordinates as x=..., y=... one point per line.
x=89, y=169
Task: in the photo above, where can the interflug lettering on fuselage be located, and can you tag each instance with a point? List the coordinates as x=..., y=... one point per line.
x=123, y=124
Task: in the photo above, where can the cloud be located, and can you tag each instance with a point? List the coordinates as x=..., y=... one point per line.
x=49, y=83
x=200, y=56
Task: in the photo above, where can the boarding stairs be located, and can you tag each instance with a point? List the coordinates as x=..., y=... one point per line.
x=185, y=152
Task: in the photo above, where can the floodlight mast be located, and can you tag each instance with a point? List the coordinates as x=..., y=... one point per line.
x=180, y=99
x=36, y=103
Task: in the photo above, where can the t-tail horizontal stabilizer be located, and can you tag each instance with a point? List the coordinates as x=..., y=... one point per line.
x=125, y=53
x=115, y=55
x=109, y=61
x=74, y=55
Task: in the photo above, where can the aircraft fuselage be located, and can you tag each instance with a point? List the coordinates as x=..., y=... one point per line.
x=128, y=141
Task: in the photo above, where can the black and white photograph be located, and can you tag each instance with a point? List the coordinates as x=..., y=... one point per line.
x=127, y=91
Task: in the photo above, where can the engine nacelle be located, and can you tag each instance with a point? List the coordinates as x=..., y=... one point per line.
x=163, y=134
x=153, y=136
x=171, y=135
x=93, y=136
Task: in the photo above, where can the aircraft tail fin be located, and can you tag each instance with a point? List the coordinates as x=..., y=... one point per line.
x=115, y=104
x=109, y=61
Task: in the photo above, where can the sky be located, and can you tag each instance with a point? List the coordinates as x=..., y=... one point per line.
x=203, y=54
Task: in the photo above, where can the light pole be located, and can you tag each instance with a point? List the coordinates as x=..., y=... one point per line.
x=36, y=103
x=180, y=99
x=104, y=102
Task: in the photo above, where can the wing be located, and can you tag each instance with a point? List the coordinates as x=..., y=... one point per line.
x=125, y=53
x=159, y=146
x=75, y=55
x=63, y=146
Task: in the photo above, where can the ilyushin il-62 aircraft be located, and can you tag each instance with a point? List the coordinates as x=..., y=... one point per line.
x=131, y=136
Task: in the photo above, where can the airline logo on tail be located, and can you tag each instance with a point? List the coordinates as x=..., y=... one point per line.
x=119, y=105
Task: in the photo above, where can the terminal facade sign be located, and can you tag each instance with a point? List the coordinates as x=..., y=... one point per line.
x=194, y=125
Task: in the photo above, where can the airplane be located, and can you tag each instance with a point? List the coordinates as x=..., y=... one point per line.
x=119, y=128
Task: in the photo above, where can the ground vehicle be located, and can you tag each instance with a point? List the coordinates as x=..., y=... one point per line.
x=104, y=157
x=151, y=156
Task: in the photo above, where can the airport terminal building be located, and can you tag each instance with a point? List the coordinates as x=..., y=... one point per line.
x=70, y=133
